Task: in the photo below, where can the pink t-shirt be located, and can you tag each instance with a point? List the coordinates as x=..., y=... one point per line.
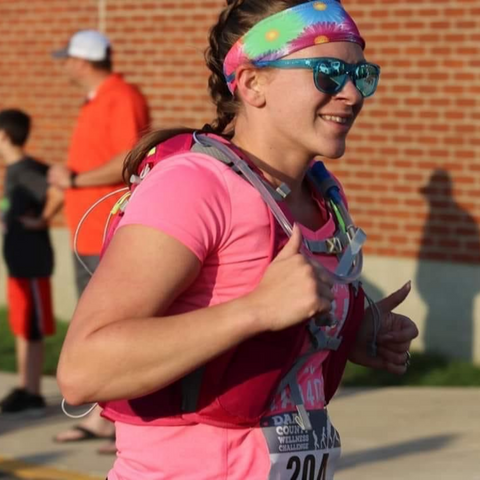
x=224, y=221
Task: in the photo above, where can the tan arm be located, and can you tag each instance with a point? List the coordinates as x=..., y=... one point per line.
x=53, y=204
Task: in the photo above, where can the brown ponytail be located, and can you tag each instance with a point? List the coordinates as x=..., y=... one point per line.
x=234, y=21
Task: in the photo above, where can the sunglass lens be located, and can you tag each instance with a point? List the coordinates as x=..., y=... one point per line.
x=328, y=84
x=366, y=79
x=330, y=77
x=367, y=86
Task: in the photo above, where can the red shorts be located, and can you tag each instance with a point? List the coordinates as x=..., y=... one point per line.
x=30, y=307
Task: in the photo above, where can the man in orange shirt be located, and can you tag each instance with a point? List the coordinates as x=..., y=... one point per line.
x=111, y=120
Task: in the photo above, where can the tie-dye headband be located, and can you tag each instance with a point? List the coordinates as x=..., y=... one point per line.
x=290, y=30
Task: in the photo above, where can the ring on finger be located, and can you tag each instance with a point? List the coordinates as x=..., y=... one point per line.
x=407, y=361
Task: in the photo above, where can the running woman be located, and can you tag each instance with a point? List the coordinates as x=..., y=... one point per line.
x=211, y=339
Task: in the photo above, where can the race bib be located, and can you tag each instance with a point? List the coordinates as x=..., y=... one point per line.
x=298, y=454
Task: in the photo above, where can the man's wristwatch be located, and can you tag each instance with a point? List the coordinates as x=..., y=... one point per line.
x=73, y=176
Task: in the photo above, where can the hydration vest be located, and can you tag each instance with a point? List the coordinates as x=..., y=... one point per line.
x=236, y=388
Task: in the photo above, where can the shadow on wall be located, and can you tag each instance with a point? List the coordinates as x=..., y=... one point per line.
x=450, y=235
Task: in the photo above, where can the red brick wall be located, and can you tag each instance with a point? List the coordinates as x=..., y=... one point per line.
x=425, y=117
x=29, y=79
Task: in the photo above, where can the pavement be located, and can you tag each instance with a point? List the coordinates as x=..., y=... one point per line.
x=389, y=433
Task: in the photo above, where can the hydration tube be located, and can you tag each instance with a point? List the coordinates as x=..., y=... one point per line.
x=80, y=415
x=82, y=220
x=351, y=263
x=82, y=263
x=118, y=206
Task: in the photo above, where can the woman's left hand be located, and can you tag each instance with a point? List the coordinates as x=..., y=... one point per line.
x=394, y=337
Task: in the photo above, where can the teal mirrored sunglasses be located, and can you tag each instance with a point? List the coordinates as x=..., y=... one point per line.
x=330, y=74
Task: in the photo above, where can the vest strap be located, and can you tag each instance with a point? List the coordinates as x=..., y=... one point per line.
x=290, y=380
x=191, y=384
x=211, y=151
x=320, y=340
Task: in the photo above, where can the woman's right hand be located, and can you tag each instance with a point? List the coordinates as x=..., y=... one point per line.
x=293, y=289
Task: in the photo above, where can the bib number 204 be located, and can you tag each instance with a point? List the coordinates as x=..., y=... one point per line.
x=307, y=470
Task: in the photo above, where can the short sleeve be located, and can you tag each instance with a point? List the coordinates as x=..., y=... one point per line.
x=185, y=196
x=34, y=182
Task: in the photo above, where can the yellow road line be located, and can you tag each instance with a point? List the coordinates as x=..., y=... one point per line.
x=29, y=471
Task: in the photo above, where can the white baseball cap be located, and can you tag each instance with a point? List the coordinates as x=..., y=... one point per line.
x=86, y=44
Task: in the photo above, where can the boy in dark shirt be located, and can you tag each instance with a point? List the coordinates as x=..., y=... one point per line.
x=27, y=206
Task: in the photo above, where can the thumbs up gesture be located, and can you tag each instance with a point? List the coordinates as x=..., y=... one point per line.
x=293, y=289
x=394, y=337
